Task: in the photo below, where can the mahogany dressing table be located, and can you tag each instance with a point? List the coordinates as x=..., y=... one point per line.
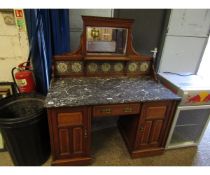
x=106, y=77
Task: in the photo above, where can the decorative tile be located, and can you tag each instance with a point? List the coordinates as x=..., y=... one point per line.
x=66, y=67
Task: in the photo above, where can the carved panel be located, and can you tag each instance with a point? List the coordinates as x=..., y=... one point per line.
x=155, y=112
x=70, y=119
x=146, y=132
x=64, y=141
x=77, y=134
x=155, y=133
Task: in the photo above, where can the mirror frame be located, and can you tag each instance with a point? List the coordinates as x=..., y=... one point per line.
x=92, y=21
x=114, y=44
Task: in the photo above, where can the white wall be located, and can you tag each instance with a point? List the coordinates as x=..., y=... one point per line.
x=13, y=48
x=185, y=41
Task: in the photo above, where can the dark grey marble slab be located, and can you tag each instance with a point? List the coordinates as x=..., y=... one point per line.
x=95, y=91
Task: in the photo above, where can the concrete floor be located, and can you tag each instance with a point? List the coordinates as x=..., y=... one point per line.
x=108, y=149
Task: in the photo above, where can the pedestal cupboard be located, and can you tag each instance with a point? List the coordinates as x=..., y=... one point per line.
x=143, y=126
x=70, y=135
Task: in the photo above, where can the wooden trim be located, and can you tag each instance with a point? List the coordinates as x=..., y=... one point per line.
x=106, y=57
x=154, y=73
x=147, y=153
x=109, y=74
x=107, y=22
x=89, y=136
x=78, y=161
x=169, y=122
x=168, y=85
x=50, y=124
x=68, y=58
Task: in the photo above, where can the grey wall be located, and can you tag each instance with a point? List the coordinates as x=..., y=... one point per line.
x=147, y=29
x=76, y=22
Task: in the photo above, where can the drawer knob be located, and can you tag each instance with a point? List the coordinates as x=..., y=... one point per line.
x=107, y=110
x=128, y=109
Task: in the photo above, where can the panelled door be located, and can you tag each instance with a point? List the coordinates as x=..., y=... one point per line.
x=152, y=123
x=71, y=129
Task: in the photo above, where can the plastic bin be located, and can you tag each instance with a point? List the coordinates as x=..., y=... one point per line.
x=24, y=127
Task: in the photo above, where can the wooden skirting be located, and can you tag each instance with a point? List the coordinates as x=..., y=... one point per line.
x=146, y=153
x=73, y=161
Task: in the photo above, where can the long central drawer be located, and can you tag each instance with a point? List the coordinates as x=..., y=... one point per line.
x=115, y=110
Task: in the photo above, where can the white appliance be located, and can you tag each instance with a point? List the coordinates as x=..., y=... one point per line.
x=192, y=115
x=186, y=38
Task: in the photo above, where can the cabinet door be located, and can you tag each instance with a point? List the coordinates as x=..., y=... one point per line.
x=71, y=132
x=152, y=124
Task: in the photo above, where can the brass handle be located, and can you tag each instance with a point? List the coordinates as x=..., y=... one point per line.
x=107, y=110
x=85, y=133
x=141, y=128
x=128, y=109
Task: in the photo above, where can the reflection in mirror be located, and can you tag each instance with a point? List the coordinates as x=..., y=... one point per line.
x=106, y=40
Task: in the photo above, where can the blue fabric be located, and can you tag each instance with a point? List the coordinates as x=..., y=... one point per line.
x=48, y=32
x=60, y=34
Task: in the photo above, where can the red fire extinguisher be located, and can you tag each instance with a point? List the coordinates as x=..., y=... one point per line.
x=23, y=78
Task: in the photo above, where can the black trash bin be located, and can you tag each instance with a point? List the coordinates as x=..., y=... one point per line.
x=24, y=127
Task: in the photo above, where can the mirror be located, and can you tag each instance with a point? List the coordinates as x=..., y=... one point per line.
x=106, y=40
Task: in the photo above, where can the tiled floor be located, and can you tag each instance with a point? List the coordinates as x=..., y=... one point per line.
x=109, y=149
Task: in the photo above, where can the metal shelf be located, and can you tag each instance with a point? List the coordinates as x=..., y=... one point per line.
x=185, y=125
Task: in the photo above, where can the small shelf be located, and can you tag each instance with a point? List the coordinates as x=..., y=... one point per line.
x=186, y=125
x=181, y=144
x=106, y=58
x=182, y=140
x=186, y=135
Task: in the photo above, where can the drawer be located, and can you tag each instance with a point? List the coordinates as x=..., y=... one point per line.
x=114, y=110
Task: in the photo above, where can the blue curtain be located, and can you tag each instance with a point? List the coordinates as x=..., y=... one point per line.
x=48, y=32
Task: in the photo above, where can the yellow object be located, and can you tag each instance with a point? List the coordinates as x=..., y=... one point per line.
x=203, y=95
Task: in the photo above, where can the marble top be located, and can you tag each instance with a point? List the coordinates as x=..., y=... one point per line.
x=72, y=92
